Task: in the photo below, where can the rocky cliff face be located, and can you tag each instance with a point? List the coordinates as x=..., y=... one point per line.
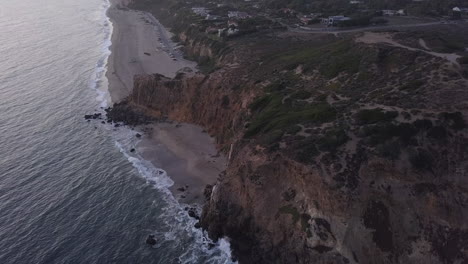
x=321, y=172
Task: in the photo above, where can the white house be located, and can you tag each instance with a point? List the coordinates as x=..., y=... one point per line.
x=333, y=20
x=238, y=14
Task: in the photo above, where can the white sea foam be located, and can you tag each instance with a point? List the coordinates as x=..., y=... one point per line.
x=174, y=214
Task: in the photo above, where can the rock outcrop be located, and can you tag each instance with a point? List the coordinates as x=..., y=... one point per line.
x=376, y=175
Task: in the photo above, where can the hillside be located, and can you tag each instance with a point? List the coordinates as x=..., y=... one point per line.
x=342, y=149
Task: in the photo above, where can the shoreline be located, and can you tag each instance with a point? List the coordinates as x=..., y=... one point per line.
x=141, y=45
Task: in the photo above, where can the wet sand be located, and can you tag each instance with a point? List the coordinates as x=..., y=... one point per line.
x=140, y=45
x=187, y=154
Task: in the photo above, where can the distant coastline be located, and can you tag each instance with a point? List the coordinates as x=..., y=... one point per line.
x=140, y=45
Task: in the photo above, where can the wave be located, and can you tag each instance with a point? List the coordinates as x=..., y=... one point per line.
x=198, y=248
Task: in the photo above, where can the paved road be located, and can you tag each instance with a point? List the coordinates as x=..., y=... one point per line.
x=337, y=31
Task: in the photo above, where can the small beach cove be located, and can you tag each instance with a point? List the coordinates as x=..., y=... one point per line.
x=184, y=152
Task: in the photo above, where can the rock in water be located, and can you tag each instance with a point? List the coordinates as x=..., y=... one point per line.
x=151, y=240
x=193, y=213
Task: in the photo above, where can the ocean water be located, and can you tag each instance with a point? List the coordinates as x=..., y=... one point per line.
x=70, y=191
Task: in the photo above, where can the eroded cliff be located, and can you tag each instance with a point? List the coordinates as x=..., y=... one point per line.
x=340, y=150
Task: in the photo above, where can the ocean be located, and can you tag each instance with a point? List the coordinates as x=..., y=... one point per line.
x=70, y=190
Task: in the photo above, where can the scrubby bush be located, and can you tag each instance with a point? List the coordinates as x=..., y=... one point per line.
x=372, y=116
x=301, y=95
x=273, y=114
x=454, y=120
x=412, y=85
x=421, y=159
x=463, y=60
x=332, y=140
x=423, y=124
x=437, y=132
x=391, y=150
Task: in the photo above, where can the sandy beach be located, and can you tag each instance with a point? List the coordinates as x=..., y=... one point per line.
x=140, y=45
x=187, y=154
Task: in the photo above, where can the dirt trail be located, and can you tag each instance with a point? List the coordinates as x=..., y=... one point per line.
x=373, y=38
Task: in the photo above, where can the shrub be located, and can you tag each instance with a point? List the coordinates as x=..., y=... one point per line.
x=332, y=58
x=412, y=85
x=372, y=116
x=390, y=150
x=293, y=129
x=463, y=60
x=275, y=87
x=225, y=101
x=380, y=133
x=289, y=209
x=301, y=95
x=421, y=159
x=438, y=133
x=306, y=151
x=423, y=124
x=332, y=140
x=272, y=137
x=273, y=114
x=455, y=120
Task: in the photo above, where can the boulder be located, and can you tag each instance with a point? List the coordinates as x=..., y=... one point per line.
x=192, y=212
x=150, y=240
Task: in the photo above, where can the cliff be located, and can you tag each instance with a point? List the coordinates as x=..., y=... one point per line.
x=340, y=150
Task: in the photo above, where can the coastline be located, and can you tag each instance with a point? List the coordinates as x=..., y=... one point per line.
x=141, y=45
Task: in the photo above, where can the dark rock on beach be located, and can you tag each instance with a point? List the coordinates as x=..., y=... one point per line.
x=128, y=115
x=93, y=116
x=150, y=240
x=192, y=212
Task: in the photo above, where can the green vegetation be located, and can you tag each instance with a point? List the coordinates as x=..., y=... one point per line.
x=372, y=116
x=423, y=124
x=306, y=151
x=390, y=150
x=437, y=132
x=332, y=140
x=331, y=59
x=305, y=222
x=301, y=95
x=274, y=115
x=271, y=137
x=293, y=129
x=421, y=159
x=412, y=85
x=289, y=209
x=463, y=60
x=454, y=120
x=380, y=133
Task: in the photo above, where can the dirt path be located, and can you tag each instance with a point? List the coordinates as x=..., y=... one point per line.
x=374, y=38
